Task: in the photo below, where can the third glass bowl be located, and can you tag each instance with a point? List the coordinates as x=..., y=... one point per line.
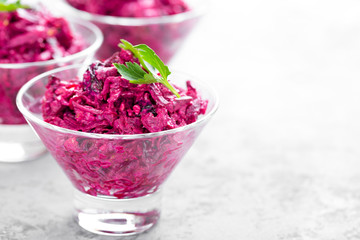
x=164, y=34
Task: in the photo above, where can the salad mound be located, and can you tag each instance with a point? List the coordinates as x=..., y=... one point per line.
x=105, y=102
x=108, y=102
x=29, y=35
x=134, y=8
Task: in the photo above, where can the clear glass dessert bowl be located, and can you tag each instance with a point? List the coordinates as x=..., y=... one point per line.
x=164, y=34
x=17, y=140
x=117, y=178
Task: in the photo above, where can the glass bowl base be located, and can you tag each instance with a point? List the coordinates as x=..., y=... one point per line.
x=19, y=143
x=116, y=217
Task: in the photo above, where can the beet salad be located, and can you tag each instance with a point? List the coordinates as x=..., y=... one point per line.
x=126, y=94
x=104, y=101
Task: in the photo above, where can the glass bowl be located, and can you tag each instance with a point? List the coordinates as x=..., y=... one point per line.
x=164, y=34
x=117, y=178
x=17, y=140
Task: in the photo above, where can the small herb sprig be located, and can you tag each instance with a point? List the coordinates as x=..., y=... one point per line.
x=149, y=61
x=10, y=7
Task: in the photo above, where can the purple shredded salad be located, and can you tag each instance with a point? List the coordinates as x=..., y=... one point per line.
x=104, y=102
x=132, y=8
x=29, y=35
x=164, y=38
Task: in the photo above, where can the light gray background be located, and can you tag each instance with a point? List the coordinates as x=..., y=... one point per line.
x=279, y=161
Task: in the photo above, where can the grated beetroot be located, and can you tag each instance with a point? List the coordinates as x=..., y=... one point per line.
x=29, y=35
x=165, y=37
x=134, y=8
x=104, y=102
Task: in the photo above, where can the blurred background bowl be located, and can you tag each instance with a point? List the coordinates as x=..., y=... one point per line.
x=164, y=34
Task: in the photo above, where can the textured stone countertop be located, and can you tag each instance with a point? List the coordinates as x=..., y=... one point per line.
x=281, y=158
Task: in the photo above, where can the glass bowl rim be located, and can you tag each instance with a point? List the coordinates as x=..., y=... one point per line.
x=133, y=21
x=99, y=37
x=28, y=115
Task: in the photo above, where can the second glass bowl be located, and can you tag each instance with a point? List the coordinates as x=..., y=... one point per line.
x=17, y=140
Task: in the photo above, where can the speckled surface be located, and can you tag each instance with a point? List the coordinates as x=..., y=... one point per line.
x=279, y=161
